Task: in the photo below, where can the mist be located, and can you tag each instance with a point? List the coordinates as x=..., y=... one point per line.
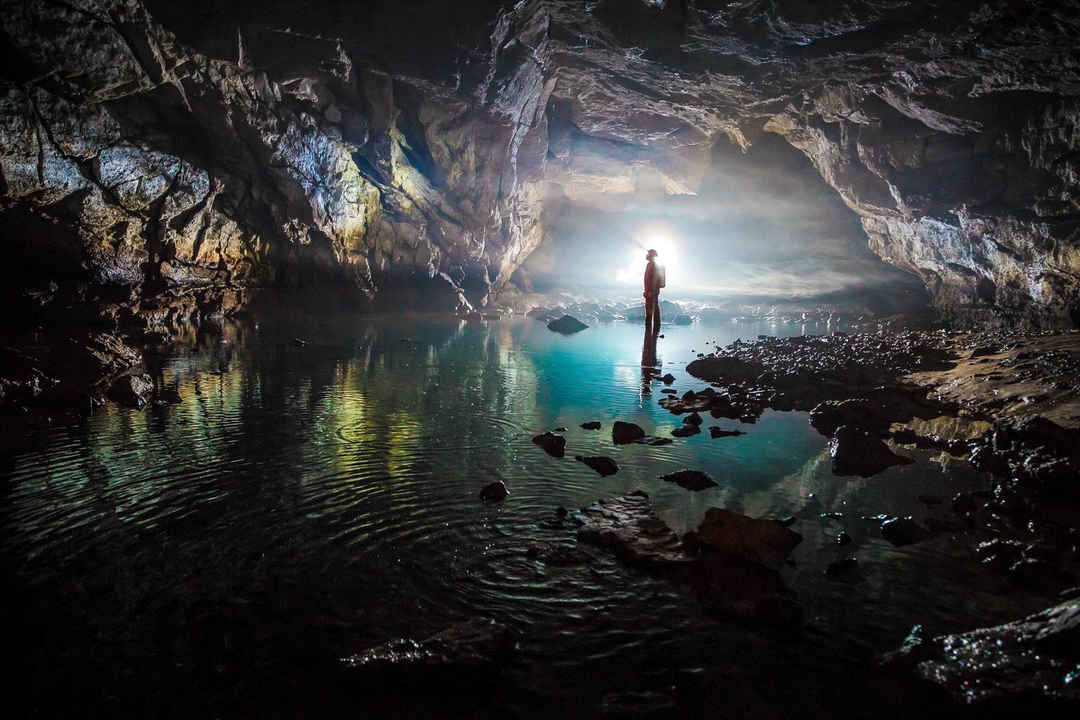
x=763, y=225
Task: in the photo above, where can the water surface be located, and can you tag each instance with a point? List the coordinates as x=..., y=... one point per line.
x=302, y=503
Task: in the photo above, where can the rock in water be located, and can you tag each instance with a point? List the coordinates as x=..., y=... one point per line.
x=1011, y=665
x=624, y=432
x=686, y=431
x=599, y=463
x=690, y=479
x=132, y=390
x=745, y=538
x=554, y=445
x=692, y=419
x=856, y=452
x=463, y=653
x=903, y=531
x=567, y=325
x=668, y=379
x=591, y=425
x=717, y=432
x=494, y=492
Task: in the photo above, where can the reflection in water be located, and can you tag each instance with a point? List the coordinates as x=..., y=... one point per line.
x=301, y=503
x=648, y=361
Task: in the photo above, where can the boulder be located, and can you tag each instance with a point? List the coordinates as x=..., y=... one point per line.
x=131, y=390
x=668, y=379
x=692, y=419
x=686, y=431
x=494, y=492
x=857, y=452
x=624, y=432
x=690, y=479
x=628, y=526
x=603, y=465
x=724, y=369
x=567, y=325
x=738, y=537
x=591, y=425
x=554, y=445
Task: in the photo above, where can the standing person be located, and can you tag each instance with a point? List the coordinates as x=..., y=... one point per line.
x=654, y=280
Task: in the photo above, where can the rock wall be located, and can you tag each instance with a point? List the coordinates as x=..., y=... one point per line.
x=162, y=161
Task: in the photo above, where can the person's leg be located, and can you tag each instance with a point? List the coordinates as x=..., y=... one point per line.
x=650, y=312
x=656, y=305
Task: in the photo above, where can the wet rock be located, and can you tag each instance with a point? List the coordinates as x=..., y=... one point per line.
x=624, y=432
x=132, y=390
x=929, y=499
x=554, y=445
x=739, y=537
x=724, y=369
x=718, y=432
x=856, y=452
x=903, y=531
x=690, y=479
x=494, y=492
x=591, y=425
x=787, y=521
x=667, y=379
x=567, y=325
x=465, y=653
x=686, y=431
x=826, y=417
x=628, y=526
x=638, y=705
x=669, y=391
x=657, y=441
x=1032, y=660
x=603, y=465
x=842, y=538
x=1040, y=575
x=692, y=419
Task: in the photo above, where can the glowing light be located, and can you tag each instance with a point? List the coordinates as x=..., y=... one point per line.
x=667, y=254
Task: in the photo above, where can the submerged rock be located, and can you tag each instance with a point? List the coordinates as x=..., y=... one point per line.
x=603, y=465
x=591, y=425
x=462, y=653
x=625, y=432
x=567, y=325
x=132, y=390
x=690, y=479
x=856, y=452
x=554, y=445
x=494, y=492
x=723, y=567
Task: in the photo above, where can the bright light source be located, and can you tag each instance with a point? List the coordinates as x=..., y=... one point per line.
x=666, y=255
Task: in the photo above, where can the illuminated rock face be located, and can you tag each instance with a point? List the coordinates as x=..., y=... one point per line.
x=190, y=154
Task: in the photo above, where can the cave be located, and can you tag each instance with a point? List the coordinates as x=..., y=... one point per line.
x=603, y=358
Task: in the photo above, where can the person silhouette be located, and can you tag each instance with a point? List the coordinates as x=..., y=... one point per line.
x=653, y=283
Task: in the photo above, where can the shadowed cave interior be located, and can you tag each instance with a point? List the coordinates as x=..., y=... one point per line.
x=328, y=383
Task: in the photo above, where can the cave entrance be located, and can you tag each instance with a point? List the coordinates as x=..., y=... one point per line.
x=762, y=227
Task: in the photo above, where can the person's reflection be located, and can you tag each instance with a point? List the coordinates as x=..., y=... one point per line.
x=648, y=362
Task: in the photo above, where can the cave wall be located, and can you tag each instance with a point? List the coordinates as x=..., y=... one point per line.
x=161, y=161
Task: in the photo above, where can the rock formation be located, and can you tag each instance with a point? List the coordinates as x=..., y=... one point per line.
x=163, y=162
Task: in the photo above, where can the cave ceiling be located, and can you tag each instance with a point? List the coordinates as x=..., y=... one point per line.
x=195, y=151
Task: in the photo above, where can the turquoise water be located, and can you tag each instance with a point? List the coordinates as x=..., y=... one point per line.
x=302, y=503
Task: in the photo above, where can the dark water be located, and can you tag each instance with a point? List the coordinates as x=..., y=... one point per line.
x=303, y=503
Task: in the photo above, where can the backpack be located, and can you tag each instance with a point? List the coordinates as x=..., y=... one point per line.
x=661, y=276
